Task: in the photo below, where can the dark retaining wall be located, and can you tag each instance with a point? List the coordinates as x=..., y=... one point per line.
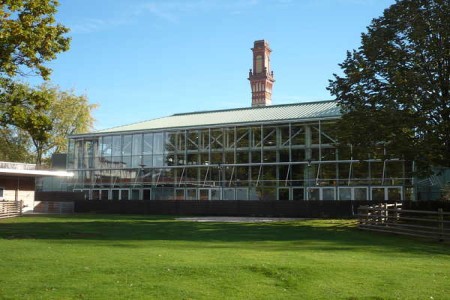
x=59, y=196
x=299, y=209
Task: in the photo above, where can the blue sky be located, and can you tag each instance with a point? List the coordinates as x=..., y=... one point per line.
x=145, y=59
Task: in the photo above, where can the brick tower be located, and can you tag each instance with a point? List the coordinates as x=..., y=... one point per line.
x=261, y=77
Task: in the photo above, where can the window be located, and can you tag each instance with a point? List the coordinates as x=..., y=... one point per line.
x=259, y=62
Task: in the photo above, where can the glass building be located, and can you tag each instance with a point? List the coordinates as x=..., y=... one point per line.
x=279, y=152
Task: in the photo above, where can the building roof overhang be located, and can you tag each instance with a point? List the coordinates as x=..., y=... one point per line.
x=34, y=173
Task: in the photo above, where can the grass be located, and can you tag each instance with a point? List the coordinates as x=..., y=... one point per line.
x=147, y=257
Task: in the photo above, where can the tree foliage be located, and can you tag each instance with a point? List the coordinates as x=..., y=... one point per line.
x=24, y=108
x=395, y=88
x=29, y=37
x=38, y=120
x=70, y=114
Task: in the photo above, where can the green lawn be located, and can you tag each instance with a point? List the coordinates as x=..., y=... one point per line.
x=148, y=257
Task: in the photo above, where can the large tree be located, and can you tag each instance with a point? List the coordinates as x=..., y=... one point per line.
x=29, y=37
x=39, y=120
x=69, y=114
x=24, y=108
x=395, y=88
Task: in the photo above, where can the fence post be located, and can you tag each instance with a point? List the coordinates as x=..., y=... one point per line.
x=20, y=207
x=441, y=224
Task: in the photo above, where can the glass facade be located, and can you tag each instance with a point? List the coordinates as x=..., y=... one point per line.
x=280, y=161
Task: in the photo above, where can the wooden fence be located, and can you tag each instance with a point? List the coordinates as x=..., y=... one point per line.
x=10, y=209
x=392, y=218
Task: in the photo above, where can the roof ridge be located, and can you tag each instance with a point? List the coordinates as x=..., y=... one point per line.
x=251, y=108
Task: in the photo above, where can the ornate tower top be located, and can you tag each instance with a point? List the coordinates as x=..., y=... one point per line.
x=261, y=76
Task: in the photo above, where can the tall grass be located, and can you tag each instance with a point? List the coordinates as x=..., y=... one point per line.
x=144, y=257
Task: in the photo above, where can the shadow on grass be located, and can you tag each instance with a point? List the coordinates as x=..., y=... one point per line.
x=325, y=234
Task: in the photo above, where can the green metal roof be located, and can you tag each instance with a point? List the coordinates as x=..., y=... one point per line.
x=273, y=113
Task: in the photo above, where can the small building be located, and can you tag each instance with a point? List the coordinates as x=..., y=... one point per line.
x=18, y=182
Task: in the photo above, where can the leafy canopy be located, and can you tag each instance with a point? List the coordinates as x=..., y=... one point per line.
x=29, y=37
x=395, y=88
x=38, y=120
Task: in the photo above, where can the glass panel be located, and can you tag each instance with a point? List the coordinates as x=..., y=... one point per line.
x=181, y=142
x=360, y=173
x=215, y=194
x=204, y=158
x=124, y=194
x=297, y=173
x=284, y=156
x=269, y=156
x=192, y=159
x=360, y=193
x=146, y=193
x=204, y=140
x=191, y=175
x=115, y=194
x=270, y=136
x=204, y=194
x=117, y=146
x=328, y=133
x=136, y=161
x=256, y=156
x=95, y=195
x=269, y=175
x=106, y=146
x=158, y=143
x=298, y=155
x=298, y=194
x=283, y=194
x=241, y=176
x=256, y=137
x=378, y=194
x=345, y=193
x=266, y=194
x=137, y=144
x=192, y=140
x=228, y=194
x=241, y=194
x=71, y=154
x=104, y=195
x=242, y=137
x=216, y=157
x=242, y=157
x=158, y=160
x=297, y=135
x=217, y=139
x=315, y=135
x=179, y=194
x=284, y=136
x=395, y=194
x=126, y=161
x=135, y=194
x=170, y=142
x=148, y=144
x=328, y=194
x=163, y=193
x=147, y=161
x=314, y=194
x=229, y=158
x=191, y=194
x=229, y=139
x=126, y=148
